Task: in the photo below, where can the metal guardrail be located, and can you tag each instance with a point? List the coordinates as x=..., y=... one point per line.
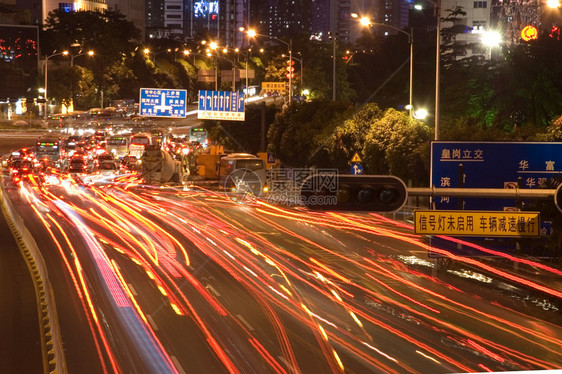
x=492, y=193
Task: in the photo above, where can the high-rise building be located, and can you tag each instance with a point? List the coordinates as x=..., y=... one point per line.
x=133, y=10
x=282, y=18
x=334, y=16
x=183, y=20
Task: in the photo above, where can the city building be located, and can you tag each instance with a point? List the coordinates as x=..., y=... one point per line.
x=475, y=23
x=40, y=8
x=185, y=20
x=133, y=10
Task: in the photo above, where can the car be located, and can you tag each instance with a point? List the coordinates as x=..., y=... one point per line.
x=107, y=168
x=23, y=171
x=77, y=165
x=129, y=163
x=14, y=164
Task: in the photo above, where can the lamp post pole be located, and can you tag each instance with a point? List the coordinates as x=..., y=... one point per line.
x=247, y=62
x=367, y=22
x=437, y=64
x=334, y=69
x=290, y=73
x=252, y=33
x=46, y=81
x=216, y=72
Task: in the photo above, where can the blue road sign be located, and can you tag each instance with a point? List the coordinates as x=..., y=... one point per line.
x=492, y=165
x=356, y=169
x=162, y=102
x=221, y=105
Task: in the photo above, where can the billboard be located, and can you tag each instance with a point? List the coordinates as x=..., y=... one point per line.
x=19, y=60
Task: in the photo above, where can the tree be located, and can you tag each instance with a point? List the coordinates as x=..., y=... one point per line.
x=298, y=136
x=112, y=38
x=349, y=137
x=109, y=34
x=399, y=146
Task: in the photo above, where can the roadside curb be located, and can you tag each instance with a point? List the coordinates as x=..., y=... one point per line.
x=50, y=337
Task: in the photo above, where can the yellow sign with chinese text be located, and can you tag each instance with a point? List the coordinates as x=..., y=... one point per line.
x=477, y=223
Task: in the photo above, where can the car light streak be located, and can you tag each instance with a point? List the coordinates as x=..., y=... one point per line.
x=348, y=295
x=155, y=355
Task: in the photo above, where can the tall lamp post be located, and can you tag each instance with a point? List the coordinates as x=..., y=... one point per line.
x=46, y=81
x=437, y=6
x=225, y=50
x=252, y=33
x=367, y=22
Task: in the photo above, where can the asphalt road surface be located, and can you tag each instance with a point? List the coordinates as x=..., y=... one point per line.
x=20, y=347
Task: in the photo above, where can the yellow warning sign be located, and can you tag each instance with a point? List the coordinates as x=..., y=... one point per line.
x=477, y=223
x=356, y=158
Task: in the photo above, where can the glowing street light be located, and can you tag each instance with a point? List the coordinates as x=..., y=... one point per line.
x=491, y=38
x=252, y=34
x=366, y=22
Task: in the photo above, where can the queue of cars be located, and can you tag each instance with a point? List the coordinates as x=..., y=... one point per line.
x=73, y=155
x=104, y=151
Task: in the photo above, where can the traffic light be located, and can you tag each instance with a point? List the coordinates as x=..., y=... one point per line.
x=290, y=69
x=373, y=193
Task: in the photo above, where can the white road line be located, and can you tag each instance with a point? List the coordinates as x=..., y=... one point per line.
x=212, y=289
x=245, y=322
x=133, y=291
x=152, y=323
x=177, y=364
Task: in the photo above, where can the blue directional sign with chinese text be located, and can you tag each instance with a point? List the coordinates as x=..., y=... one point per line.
x=492, y=165
x=221, y=105
x=162, y=102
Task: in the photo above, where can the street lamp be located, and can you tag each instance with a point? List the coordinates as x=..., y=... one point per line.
x=214, y=47
x=252, y=33
x=46, y=73
x=225, y=50
x=367, y=22
x=72, y=57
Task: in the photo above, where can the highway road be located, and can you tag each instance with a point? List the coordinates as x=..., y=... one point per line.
x=154, y=280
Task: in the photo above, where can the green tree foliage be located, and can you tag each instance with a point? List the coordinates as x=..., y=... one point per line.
x=109, y=34
x=299, y=134
x=112, y=38
x=553, y=132
x=275, y=71
x=349, y=137
x=399, y=146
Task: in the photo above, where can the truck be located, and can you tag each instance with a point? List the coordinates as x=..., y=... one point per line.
x=159, y=167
